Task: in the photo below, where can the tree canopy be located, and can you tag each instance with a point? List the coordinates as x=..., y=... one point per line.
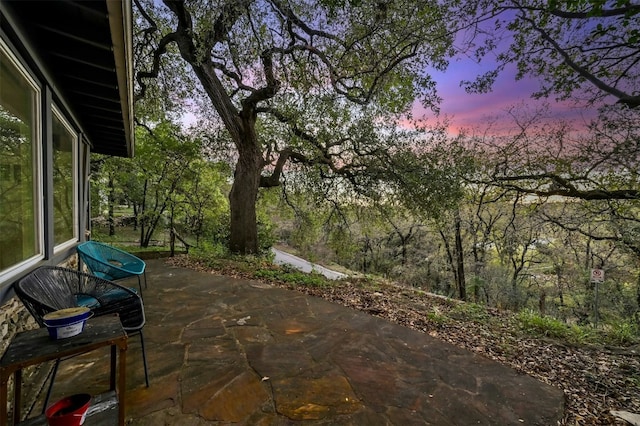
x=271, y=58
x=585, y=50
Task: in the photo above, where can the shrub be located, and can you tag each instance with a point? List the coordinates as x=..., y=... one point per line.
x=470, y=312
x=542, y=325
x=292, y=276
x=622, y=333
x=207, y=250
x=437, y=317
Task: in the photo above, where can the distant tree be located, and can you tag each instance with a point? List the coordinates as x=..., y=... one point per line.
x=163, y=166
x=450, y=231
x=199, y=200
x=108, y=178
x=254, y=60
x=427, y=177
x=480, y=215
x=585, y=180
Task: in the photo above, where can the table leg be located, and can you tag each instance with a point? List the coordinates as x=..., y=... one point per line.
x=112, y=375
x=3, y=399
x=122, y=375
x=17, y=396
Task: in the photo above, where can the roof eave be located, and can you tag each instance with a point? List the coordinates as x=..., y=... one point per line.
x=120, y=22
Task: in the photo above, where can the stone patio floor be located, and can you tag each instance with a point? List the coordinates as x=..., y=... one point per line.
x=229, y=351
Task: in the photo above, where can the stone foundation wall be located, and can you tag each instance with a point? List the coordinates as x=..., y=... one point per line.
x=13, y=319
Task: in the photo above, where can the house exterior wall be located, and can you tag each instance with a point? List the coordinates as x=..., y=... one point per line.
x=35, y=113
x=13, y=316
x=49, y=114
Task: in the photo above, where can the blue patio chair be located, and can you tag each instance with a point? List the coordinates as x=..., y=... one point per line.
x=50, y=288
x=111, y=263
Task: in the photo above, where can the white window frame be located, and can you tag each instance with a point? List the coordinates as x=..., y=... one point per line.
x=38, y=195
x=74, y=153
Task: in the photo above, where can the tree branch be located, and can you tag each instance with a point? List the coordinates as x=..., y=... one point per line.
x=629, y=10
x=563, y=187
x=273, y=180
x=624, y=98
x=266, y=92
x=155, y=68
x=290, y=16
x=203, y=67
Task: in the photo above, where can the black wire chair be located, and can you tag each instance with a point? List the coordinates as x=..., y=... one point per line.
x=50, y=288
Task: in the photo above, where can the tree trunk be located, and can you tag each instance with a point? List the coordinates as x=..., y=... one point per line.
x=542, y=303
x=450, y=259
x=638, y=293
x=367, y=255
x=479, y=254
x=143, y=220
x=515, y=302
x=135, y=216
x=559, y=285
x=112, y=200
x=244, y=193
x=172, y=234
x=461, y=281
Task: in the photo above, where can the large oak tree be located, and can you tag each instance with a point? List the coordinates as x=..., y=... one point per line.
x=267, y=61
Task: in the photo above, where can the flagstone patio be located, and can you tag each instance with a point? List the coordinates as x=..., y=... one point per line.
x=229, y=351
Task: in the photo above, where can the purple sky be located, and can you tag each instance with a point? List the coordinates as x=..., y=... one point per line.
x=468, y=111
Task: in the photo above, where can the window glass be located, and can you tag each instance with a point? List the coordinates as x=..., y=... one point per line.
x=19, y=165
x=64, y=181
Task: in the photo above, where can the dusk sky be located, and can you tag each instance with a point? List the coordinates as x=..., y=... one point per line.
x=467, y=110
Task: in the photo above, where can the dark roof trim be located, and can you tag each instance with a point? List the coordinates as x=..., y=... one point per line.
x=120, y=21
x=83, y=50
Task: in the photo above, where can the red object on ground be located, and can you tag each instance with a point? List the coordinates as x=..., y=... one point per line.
x=69, y=411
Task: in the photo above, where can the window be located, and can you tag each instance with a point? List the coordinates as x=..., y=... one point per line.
x=20, y=164
x=65, y=171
